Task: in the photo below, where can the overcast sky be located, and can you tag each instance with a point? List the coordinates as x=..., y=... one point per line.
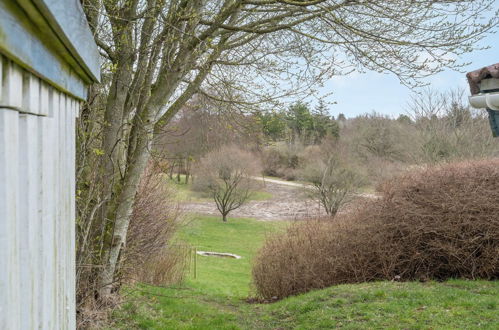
x=363, y=93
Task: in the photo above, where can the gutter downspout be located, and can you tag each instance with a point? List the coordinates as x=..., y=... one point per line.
x=488, y=98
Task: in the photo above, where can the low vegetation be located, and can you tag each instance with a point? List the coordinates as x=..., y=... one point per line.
x=453, y=304
x=216, y=298
x=209, y=299
x=151, y=255
x=435, y=224
x=332, y=183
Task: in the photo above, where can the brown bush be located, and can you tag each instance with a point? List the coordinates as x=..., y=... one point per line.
x=438, y=223
x=151, y=256
x=166, y=268
x=282, y=160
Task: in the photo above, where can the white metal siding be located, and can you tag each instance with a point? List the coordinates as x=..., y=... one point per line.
x=37, y=225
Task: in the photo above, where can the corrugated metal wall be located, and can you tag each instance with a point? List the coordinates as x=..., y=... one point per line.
x=37, y=238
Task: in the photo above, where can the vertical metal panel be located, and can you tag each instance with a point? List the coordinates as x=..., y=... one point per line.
x=37, y=229
x=1, y=77
x=44, y=136
x=39, y=246
x=44, y=99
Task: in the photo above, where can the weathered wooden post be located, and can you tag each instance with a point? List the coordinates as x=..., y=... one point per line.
x=47, y=60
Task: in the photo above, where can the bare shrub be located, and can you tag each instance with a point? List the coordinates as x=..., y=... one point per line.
x=438, y=223
x=448, y=129
x=166, y=268
x=151, y=256
x=272, y=162
x=283, y=160
x=379, y=170
x=376, y=135
x=333, y=183
x=226, y=175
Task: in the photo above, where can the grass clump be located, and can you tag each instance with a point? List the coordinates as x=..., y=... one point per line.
x=436, y=224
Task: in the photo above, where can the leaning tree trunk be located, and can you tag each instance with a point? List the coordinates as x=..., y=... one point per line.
x=124, y=209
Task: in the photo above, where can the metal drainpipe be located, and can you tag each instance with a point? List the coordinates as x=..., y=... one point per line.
x=488, y=98
x=494, y=121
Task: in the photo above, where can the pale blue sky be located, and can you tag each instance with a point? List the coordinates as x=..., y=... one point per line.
x=363, y=93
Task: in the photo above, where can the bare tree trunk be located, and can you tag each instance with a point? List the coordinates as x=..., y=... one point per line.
x=224, y=217
x=124, y=210
x=179, y=169
x=187, y=170
x=172, y=167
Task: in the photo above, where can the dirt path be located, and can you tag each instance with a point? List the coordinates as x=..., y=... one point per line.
x=287, y=203
x=281, y=182
x=305, y=185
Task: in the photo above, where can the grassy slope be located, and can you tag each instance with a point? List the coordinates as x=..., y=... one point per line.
x=215, y=299
x=226, y=277
x=450, y=305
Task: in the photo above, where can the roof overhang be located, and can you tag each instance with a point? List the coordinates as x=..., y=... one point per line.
x=478, y=80
x=52, y=39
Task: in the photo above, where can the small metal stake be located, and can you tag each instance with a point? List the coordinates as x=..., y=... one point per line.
x=195, y=262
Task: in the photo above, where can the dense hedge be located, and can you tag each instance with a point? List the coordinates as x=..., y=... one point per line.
x=437, y=223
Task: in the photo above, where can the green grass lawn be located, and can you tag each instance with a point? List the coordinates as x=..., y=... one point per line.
x=226, y=277
x=215, y=299
x=185, y=192
x=212, y=300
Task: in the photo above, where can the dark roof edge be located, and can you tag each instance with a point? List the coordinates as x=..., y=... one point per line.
x=475, y=77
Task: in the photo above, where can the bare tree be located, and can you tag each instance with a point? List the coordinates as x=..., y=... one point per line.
x=332, y=183
x=159, y=53
x=202, y=126
x=226, y=175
